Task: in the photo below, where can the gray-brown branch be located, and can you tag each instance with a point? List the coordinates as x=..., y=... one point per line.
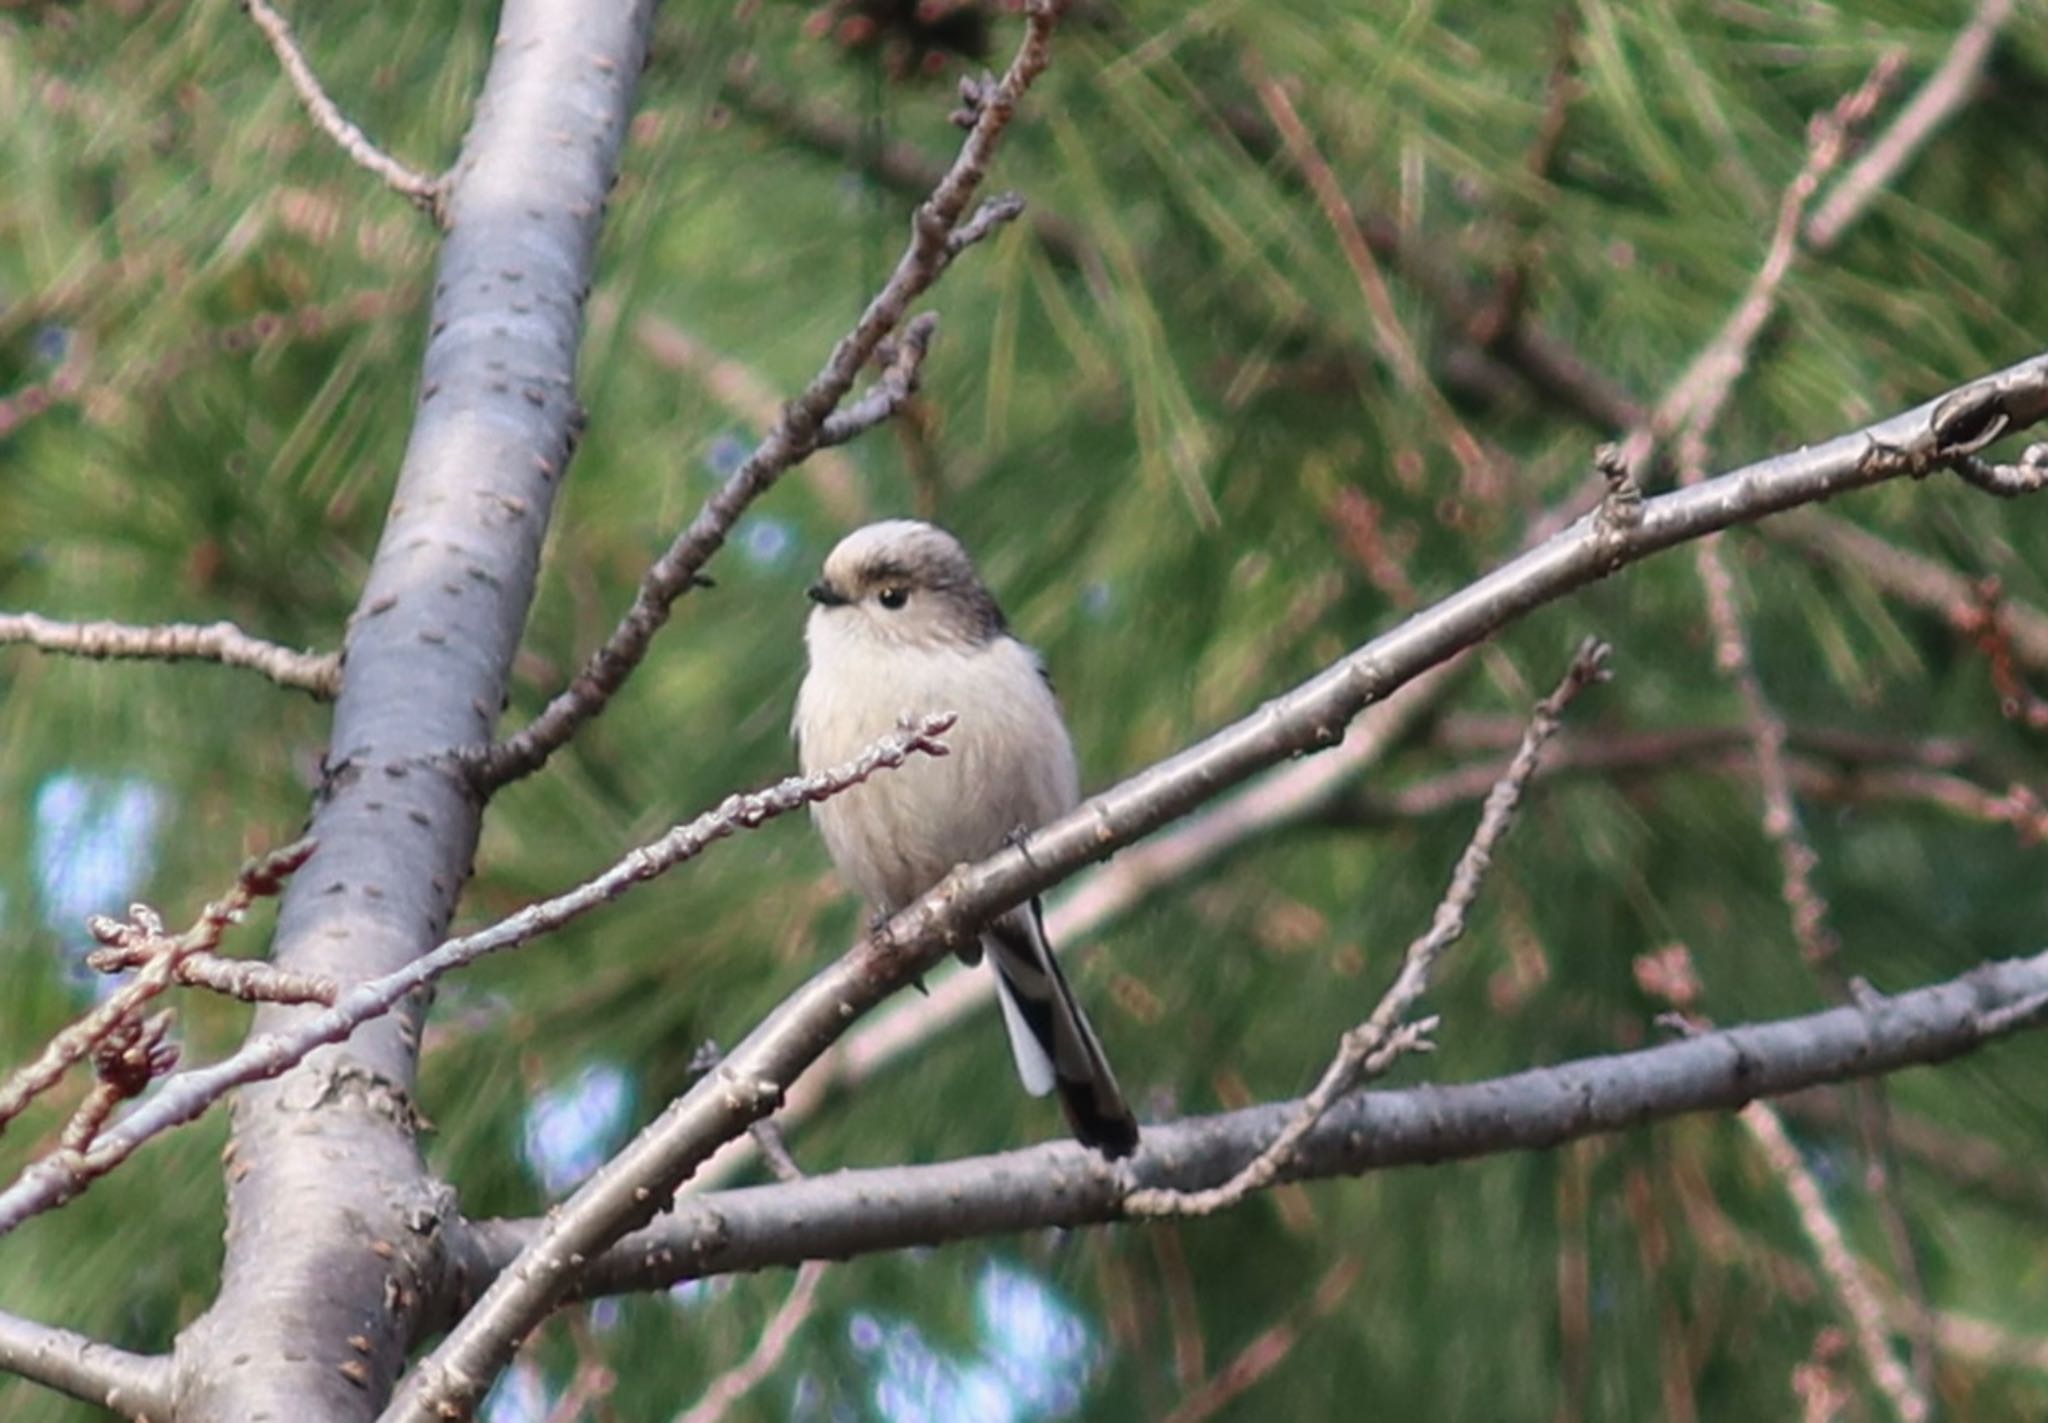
x=133, y=1385
x=315, y=672
x=1059, y=1184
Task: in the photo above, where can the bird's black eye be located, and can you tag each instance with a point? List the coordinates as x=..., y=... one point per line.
x=893, y=598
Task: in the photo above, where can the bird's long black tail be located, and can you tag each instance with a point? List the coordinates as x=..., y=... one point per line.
x=1055, y=1048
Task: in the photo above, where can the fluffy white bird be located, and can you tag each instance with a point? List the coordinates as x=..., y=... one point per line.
x=904, y=627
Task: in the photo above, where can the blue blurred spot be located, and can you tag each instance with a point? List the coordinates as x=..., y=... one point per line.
x=1097, y=599
x=52, y=343
x=1035, y=1357
x=767, y=542
x=1038, y=1343
x=520, y=1396
x=606, y=1314
x=95, y=846
x=571, y=1129
x=726, y=454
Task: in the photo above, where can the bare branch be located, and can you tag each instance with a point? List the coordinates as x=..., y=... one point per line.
x=733, y=1385
x=136, y=1386
x=1288, y=793
x=803, y=426
x=315, y=672
x=898, y=382
x=57, y=1178
x=1390, y=338
x=1374, y=1045
x=414, y=186
x=1951, y=86
x=1060, y=1184
x=1843, y=1272
x=1694, y=403
x=141, y=940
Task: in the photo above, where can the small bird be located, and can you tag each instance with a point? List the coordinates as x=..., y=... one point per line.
x=904, y=627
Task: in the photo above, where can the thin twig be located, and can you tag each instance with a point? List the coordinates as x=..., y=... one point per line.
x=734, y=1384
x=1695, y=400
x=315, y=672
x=1390, y=337
x=1285, y=794
x=416, y=187
x=58, y=1177
x=1824, y=1233
x=1370, y=1048
x=1951, y=86
x=805, y=424
x=1692, y=409
x=161, y=954
x=1821, y=766
x=1271, y=1347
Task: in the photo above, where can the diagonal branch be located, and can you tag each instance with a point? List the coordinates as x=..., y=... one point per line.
x=749, y=1084
x=939, y=230
x=315, y=672
x=63, y=1175
x=142, y=943
x=415, y=186
x=1062, y=1185
x=1374, y=1045
x=1946, y=90
x=135, y=1386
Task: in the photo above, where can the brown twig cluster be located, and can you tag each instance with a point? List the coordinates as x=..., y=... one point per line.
x=127, y=1051
x=1984, y=622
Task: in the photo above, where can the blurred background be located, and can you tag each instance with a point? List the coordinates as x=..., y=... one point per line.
x=1163, y=412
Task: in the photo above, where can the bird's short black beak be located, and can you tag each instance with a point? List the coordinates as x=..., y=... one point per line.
x=826, y=596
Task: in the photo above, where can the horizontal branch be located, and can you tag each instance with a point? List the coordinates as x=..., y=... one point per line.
x=1060, y=1184
x=315, y=672
x=57, y=1178
x=133, y=1385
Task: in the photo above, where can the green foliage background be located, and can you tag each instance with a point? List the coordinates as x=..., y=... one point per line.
x=1147, y=447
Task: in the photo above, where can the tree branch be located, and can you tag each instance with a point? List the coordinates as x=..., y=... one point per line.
x=141, y=942
x=1369, y=1049
x=1285, y=794
x=806, y=423
x=414, y=186
x=1059, y=1184
x=627, y=1191
x=315, y=672
x=135, y=1386
x=1946, y=90
x=61, y=1176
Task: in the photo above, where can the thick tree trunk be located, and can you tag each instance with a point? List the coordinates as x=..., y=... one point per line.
x=333, y=1224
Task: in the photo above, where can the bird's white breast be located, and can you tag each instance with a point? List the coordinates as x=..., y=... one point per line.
x=1011, y=765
